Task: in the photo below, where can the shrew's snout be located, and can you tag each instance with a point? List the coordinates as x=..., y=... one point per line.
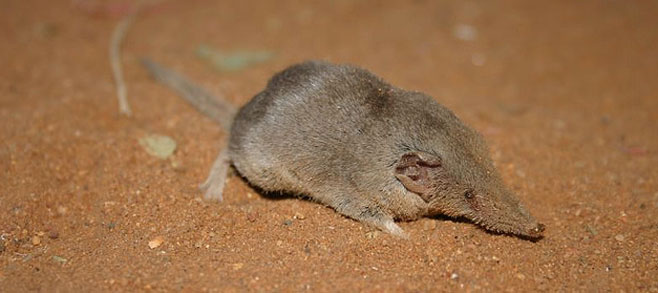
x=537, y=230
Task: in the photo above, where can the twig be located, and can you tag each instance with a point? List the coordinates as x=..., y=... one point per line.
x=115, y=60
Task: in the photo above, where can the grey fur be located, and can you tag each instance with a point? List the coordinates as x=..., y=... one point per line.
x=373, y=152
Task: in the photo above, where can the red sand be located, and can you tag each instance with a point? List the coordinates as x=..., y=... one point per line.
x=564, y=92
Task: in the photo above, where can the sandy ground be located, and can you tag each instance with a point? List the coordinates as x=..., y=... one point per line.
x=565, y=93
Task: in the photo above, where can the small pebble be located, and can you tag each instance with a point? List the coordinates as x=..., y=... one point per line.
x=429, y=225
x=252, y=216
x=299, y=216
x=454, y=276
x=36, y=240
x=237, y=266
x=157, y=241
x=478, y=59
x=520, y=276
x=62, y=210
x=59, y=259
x=177, y=165
x=635, y=150
x=2, y=246
x=619, y=237
x=53, y=234
x=287, y=222
x=372, y=234
x=431, y=256
x=465, y=32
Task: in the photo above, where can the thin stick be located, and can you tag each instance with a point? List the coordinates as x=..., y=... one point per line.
x=115, y=61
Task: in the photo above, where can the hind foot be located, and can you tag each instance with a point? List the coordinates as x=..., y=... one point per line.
x=213, y=187
x=391, y=227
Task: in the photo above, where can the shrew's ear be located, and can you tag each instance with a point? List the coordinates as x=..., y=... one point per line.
x=413, y=170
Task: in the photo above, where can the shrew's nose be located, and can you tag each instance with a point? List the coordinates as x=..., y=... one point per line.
x=538, y=229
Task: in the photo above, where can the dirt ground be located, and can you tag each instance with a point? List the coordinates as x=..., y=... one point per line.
x=565, y=94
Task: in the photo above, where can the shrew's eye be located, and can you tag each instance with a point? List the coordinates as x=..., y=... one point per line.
x=469, y=194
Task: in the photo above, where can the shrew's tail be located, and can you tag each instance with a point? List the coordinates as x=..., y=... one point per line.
x=217, y=109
